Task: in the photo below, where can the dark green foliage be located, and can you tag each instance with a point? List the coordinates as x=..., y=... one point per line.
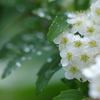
x=46, y=72
x=81, y=4
x=23, y=48
x=70, y=95
x=75, y=84
x=58, y=26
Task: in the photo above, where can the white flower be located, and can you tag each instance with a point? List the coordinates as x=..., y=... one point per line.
x=94, y=91
x=79, y=47
x=73, y=71
x=77, y=21
x=61, y=39
x=94, y=70
x=89, y=28
x=95, y=11
x=66, y=41
x=97, y=59
x=68, y=55
x=85, y=59
x=93, y=73
x=93, y=47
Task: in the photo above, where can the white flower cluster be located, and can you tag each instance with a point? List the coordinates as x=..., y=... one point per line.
x=93, y=74
x=80, y=44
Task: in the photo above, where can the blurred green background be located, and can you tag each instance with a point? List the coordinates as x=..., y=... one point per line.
x=23, y=41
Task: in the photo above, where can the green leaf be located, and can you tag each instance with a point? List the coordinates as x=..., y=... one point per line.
x=12, y=65
x=46, y=73
x=83, y=5
x=70, y=95
x=58, y=26
x=24, y=47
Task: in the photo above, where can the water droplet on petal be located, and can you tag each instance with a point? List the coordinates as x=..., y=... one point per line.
x=18, y=64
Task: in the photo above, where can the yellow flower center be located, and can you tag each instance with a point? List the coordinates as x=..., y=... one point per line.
x=73, y=69
x=78, y=23
x=90, y=30
x=84, y=58
x=93, y=43
x=77, y=44
x=69, y=56
x=64, y=40
x=97, y=11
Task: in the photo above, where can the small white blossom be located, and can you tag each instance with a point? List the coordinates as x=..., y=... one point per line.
x=77, y=22
x=93, y=73
x=94, y=91
x=73, y=71
x=95, y=11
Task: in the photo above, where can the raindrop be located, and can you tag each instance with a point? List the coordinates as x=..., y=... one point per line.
x=52, y=71
x=56, y=22
x=49, y=60
x=31, y=46
x=40, y=35
x=27, y=49
x=23, y=58
x=48, y=17
x=41, y=90
x=39, y=53
x=27, y=37
x=79, y=89
x=33, y=50
x=29, y=58
x=47, y=48
x=20, y=8
x=12, y=70
x=57, y=25
x=61, y=29
x=39, y=12
x=61, y=18
x=56, y=16
x=18, y=64
x=9, y=45
x=59, y=64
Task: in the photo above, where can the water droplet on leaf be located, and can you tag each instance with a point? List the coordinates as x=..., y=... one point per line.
x=49, y=60
x=27, y=49
x=39, y=53
x=18, y=64
x=23, y=58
